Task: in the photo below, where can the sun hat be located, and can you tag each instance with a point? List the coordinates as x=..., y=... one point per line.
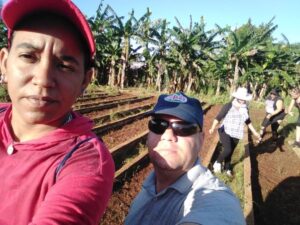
x=181, y=106
x=14, y=10
x=242, y=93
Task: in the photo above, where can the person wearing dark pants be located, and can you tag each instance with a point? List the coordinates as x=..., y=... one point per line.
x=275, y=113
x=229, y=143
x=234, y=116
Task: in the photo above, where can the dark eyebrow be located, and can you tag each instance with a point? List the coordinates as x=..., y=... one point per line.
x=27, y=45
x=63, y=58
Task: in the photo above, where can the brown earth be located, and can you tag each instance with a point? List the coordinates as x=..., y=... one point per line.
x=275, y=178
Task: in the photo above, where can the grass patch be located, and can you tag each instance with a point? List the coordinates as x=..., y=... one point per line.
x=107, y=89
x=210, y=98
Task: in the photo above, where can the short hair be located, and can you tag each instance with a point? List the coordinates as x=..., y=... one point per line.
x=25, y=21
x=295, y=90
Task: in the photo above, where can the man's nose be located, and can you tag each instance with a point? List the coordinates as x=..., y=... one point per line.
x=44, y=74
x=169, y=134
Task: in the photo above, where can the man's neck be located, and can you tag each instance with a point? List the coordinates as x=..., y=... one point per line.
x=165, y=179
x=30, y=132
x=26, y=131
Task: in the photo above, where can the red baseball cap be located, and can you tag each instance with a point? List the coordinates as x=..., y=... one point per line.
x=14, y=10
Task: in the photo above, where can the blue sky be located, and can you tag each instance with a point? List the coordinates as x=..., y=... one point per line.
x=222, y=12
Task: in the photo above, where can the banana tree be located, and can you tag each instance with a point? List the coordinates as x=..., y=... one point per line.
x=243, y=44
x=193, y=48
x=160, y=42
x=108, y=43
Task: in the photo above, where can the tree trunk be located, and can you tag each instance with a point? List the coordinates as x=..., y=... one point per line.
x=124, y=59
x=218, y=87
x=123, y=71
x=262, y=91
x=112, y=74
x=119, y=77
x=235, y=76
x=158, y=79
x=254, y=88
x=174, y=85
x=190, y=82
x=94, y=79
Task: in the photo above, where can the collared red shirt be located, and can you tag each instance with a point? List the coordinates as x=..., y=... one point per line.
x=31, y=192
x=196, y=197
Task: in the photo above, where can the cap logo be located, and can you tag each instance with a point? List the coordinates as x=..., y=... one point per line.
x=178, y=98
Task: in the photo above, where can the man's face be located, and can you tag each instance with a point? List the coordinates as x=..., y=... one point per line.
x=242, y=102
x=295, y=95
x=44, y=71
x=273, y=96
x=171, y=152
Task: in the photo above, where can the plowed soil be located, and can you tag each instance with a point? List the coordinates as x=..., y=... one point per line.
x=275, y=179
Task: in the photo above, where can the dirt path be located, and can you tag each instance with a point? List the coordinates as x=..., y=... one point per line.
x=275, y=180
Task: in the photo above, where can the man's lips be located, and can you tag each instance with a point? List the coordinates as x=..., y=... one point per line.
x=38, y=100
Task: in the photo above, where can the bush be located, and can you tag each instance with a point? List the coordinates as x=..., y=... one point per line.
x=3, y=94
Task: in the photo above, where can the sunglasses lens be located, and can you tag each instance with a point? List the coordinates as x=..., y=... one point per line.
x=180, y=128
x=185, y=129
x=158, y=126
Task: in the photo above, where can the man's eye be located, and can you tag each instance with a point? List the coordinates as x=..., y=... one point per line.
x=66, y=67
x=28, y=57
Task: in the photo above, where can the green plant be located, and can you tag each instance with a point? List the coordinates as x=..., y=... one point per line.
x=3, y=94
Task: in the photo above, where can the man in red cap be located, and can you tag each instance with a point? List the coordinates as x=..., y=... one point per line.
x=54, y=170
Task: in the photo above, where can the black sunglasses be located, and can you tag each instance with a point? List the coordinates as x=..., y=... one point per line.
x=180, y=128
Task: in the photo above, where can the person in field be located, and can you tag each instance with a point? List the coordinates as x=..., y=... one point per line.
x=295, y=94
x=180, y=190
x=54, y=170
x=234, y=116
x=275, y=113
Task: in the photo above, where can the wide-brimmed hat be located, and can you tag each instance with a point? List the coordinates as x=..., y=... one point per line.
x=14, y=11
x=181, y=106
x=242, y=93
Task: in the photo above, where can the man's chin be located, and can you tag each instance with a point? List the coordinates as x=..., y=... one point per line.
x=162, y=161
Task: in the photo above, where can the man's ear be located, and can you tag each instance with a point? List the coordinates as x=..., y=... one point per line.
x=3, y=62
x=201, y=140
x=87, y=78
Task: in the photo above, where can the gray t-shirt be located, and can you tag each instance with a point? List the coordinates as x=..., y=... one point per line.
x=196, y=197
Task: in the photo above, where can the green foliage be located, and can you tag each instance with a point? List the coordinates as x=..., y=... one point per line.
x=190, y=58
x=3, y=35
x=213, y=99
x=3, y=94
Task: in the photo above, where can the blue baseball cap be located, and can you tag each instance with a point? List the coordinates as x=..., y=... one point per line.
x=181, y=106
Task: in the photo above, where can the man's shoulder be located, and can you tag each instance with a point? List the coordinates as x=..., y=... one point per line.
x=211, y=204
x=4, y=106
x=3, y=109
x=209, y=187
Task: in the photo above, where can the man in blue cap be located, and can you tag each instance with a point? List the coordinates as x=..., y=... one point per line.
x=180, y=190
